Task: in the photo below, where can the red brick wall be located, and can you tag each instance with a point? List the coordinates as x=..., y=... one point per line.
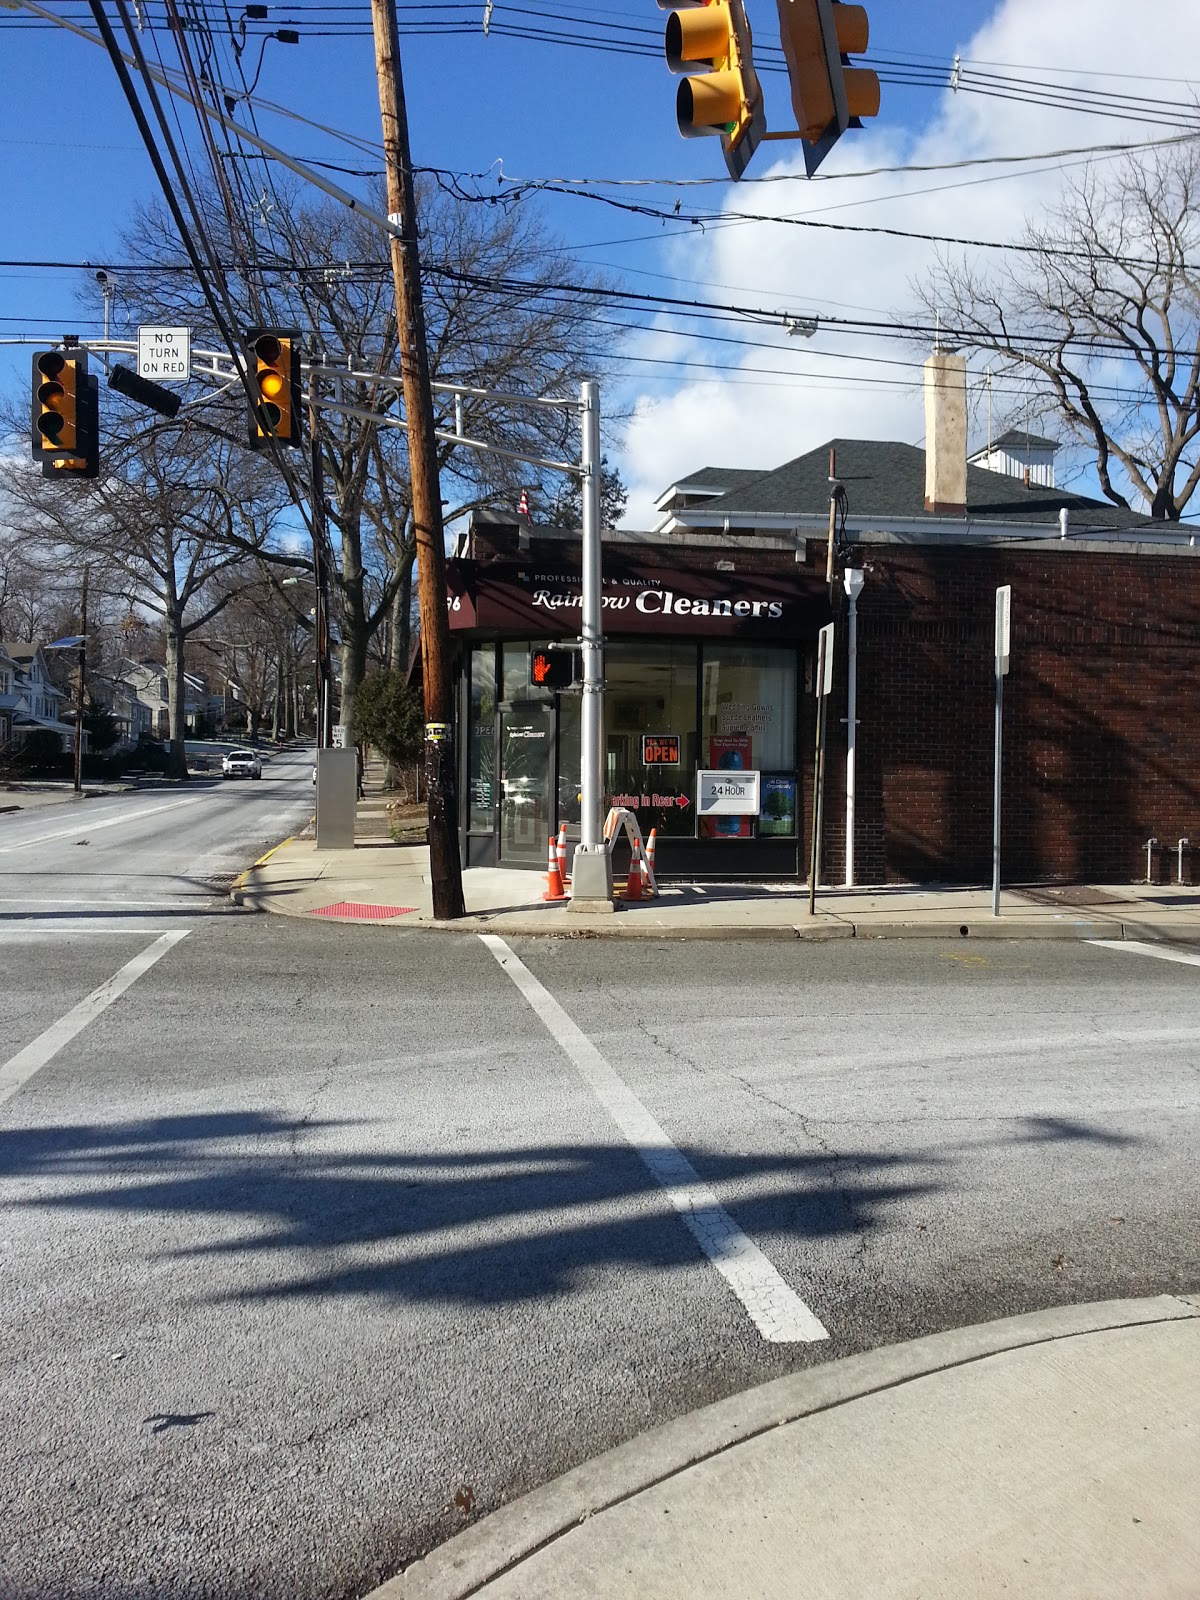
x=1101, y=714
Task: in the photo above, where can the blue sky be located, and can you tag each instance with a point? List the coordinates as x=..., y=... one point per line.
x=74, y=171
x=74, y=168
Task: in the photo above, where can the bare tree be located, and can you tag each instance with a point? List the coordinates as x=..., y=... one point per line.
x=495, y=321
x=166, y=528
x=1102, y=309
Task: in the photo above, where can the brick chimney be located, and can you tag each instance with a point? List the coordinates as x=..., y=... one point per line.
x=946, y=433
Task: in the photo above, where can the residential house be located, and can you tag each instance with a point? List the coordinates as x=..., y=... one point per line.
x=9, y=699
x=36, y=702
x=147, y=680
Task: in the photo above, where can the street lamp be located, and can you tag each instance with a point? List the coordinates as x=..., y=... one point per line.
x=319, y=614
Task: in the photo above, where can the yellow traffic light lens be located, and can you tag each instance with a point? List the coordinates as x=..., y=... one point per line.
x=710, y=104
x=271, y=384
x=702, y=35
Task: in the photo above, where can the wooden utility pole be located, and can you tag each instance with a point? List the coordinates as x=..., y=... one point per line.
x=444, y=864
x=82, y=675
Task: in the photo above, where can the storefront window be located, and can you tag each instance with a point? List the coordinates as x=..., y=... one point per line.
x=748, y=722
x=481, y=741
x=650, y=734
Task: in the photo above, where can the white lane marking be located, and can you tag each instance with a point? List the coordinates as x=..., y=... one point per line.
x=777, y=1311
x=1138, y=947
x=28, y=930
x=88, y=827
x=116, y=903
x=18, y=1069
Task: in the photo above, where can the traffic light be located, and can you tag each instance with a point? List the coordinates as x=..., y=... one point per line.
x=551, y=669
x=65, y=431
x=828, y=94
x=712, y=38
x=59, y=379
x=275, y=383
x=131, y=384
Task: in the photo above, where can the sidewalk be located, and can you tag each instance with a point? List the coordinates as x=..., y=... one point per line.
x=388, y=884
x=35, y=796
x=1050, y=1455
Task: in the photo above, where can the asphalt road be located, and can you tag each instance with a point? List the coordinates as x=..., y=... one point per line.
x=320, y=1241
x=164, y=849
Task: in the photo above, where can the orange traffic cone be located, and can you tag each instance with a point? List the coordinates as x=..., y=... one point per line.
x=554, y=883
x=633, y=883
x=651, y=842
x=562, y=854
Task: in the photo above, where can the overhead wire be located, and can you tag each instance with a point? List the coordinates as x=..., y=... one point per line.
x=223, y=316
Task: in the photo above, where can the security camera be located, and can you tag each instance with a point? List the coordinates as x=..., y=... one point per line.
x=102, y=276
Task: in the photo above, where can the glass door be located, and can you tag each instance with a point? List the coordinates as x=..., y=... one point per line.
x=526, y=756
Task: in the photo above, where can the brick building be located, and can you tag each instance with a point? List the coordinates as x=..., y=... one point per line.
x=1102, y=706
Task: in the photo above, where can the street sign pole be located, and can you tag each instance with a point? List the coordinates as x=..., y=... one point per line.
x=1003, y=613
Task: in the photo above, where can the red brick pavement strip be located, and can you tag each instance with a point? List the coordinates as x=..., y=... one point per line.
x=352, y=908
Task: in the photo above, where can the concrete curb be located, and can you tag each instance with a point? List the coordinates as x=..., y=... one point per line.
x=625, y=926
x=462, y=1566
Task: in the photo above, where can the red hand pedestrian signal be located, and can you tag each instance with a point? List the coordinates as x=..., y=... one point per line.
x=551, y=669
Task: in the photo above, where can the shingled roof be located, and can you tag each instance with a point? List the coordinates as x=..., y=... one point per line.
x=887, y=480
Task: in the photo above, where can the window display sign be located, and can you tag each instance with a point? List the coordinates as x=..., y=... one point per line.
x=777, y=815
x=729, y=753
x=721, y=793
x=660, y=749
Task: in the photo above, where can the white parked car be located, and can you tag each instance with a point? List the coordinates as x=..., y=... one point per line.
x=241, y=764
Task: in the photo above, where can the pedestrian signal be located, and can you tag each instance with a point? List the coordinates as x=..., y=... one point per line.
x=551, y=669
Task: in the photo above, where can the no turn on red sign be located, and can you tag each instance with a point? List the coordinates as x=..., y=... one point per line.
x=165, y=354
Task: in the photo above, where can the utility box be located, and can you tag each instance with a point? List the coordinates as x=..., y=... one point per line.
x=337, y=798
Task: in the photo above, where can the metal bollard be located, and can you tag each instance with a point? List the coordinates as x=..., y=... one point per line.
x=1155, y=862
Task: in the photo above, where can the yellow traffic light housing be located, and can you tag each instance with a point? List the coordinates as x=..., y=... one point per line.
x=58, y=381
x=711, y=38
x=275, y=384
x=65, y=432
x=828, y=94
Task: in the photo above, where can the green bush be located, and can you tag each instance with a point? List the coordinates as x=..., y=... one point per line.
x=390, y=716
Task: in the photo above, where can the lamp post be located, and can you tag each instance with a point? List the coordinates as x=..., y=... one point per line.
x=319, y=642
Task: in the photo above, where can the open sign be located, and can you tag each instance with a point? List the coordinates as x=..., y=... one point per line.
x=660, y=749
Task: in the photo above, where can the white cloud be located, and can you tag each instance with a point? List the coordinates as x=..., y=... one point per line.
x=739, y=417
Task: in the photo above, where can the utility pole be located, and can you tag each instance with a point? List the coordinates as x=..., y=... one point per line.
x=82, y=671
x=320, y=544
x=444, y=864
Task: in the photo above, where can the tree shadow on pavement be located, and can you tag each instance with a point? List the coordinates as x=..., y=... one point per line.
x=293, y=1208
